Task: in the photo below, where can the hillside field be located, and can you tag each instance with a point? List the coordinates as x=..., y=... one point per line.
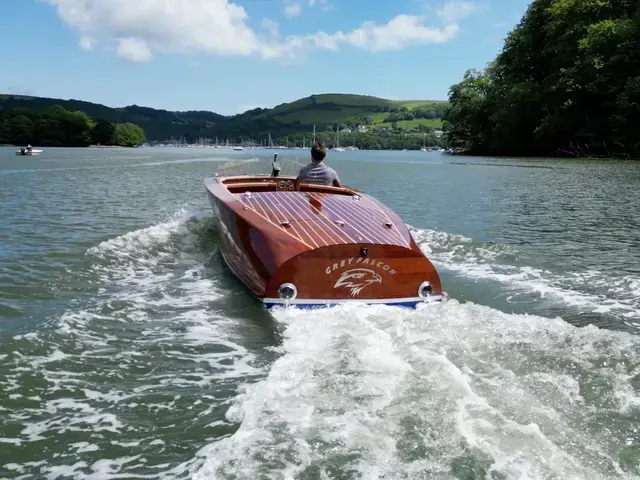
x=331, y=109
x=325, y=111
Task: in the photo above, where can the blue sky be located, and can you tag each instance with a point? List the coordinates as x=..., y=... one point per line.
x=228, y=56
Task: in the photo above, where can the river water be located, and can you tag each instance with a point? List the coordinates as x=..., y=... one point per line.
x=127, y=350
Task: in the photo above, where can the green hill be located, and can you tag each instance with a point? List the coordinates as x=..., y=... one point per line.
x=325, y=111
x=330, y=109
x=156, y=123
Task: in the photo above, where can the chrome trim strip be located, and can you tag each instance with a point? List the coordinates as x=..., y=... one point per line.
x=326, y=301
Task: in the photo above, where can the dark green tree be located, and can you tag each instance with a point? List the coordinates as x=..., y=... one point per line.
x=566, y=82
x=57, y=127
x=129, y=135
x=103, y=133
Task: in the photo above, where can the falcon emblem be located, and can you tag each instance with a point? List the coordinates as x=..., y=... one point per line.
x=357, y=279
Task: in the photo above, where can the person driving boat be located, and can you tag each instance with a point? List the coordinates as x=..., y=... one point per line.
x=317, y=172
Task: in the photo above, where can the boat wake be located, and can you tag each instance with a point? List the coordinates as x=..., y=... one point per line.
x=166, y=369
x=577, y=296
x=147, y=361
x=451, y=391
x=458, y=390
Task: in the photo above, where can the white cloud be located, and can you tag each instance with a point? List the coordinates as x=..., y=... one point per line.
x=292, y=9
x=134, y=49
x=141, y=28
x=453, y=11
x=270, y=25
x=400, y=32
x=87, y=43
x=214, y=26
x=324, y=4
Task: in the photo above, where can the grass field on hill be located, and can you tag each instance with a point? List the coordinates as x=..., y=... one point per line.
x=414, y=103
x=432, y=122
x=309, y=117
x=340, y=108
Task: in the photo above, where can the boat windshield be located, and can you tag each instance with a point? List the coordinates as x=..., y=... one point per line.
x=256, y=175
x=266, y=183
x=259, y=166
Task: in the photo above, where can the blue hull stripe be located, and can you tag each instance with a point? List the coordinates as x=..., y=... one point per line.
x=270, y=303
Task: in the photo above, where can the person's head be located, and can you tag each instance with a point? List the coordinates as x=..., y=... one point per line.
x=318, y=152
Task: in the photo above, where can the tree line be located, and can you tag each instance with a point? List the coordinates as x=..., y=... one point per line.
x=435, y=110
x=368, y=141
x=156, y=123
x=57, y=127
x=191, y=126
x=567, y=82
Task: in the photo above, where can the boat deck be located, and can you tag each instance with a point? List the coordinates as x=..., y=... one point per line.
x=319, y=219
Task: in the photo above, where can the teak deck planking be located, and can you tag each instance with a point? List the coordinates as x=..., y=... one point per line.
x=322, y=219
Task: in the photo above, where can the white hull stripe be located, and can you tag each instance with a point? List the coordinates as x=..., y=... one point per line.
x=323, y=301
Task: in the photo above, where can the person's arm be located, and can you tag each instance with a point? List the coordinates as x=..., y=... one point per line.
x=336, y=180
x=301, y=174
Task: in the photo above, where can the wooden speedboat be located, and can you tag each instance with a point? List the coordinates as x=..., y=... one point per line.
x=317, y=245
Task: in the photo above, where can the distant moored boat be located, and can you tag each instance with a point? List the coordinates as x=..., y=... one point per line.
x=28, y=151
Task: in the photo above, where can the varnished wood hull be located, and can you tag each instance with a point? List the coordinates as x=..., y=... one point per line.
x=332, y=247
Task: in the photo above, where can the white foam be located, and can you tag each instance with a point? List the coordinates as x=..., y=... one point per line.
x=14, y=441
x=361, y=392
x=82, y=447
x=377, y=391
x=619, y=295
x=114, y=334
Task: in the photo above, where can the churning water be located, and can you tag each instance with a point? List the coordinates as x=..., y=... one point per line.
x=127, y=350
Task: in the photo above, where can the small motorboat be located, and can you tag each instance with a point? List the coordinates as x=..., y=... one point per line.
x=313, y=246
x=28, y=151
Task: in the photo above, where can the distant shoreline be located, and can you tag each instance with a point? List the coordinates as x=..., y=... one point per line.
x=65, y=146
x=538, y=155
x=108, y=146
x=364, y=121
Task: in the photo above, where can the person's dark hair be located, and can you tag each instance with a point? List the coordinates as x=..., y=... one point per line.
x=318, y=152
